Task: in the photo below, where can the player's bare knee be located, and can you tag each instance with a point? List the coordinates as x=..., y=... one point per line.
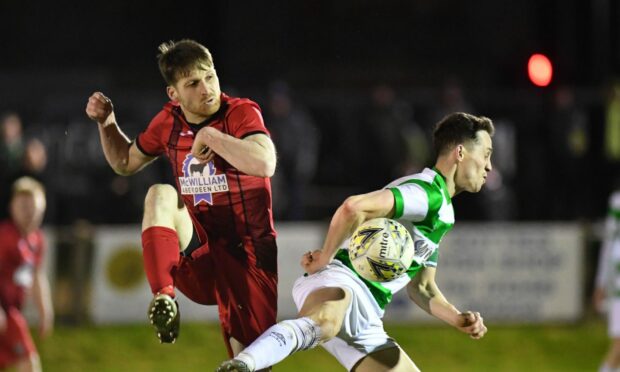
x=162, y=193
x=161, y=198
x=160, y=207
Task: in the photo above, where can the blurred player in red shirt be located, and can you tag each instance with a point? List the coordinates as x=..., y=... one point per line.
x=219, y=217
x=21, y=270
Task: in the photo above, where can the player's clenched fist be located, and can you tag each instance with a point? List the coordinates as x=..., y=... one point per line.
x=99, y=108
x=201, y=148
x=314, y=261
x=472, y=324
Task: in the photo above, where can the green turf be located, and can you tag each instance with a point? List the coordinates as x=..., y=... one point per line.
x=577, y=347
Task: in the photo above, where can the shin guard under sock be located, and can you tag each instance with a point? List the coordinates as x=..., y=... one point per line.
x=160, y=252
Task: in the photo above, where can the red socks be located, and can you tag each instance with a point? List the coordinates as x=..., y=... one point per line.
x=160, y=252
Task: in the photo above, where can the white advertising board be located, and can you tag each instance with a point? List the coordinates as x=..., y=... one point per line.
x=512, y=272
x=509, y=272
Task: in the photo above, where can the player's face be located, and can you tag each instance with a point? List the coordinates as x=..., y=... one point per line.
x=27, y=211
x=198, y=93
x=476, y=164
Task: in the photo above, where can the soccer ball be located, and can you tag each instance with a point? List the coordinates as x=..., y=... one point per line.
x=381, y=250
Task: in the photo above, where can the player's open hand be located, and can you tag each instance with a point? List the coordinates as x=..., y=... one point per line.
x=201, y=148
x=472, y=324
x=314, y=261
x=99, y=108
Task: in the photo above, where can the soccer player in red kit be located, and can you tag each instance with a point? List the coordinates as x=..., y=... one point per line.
x=222, y=157
x=21, y=272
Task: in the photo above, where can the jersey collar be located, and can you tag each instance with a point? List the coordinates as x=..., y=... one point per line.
x=442, y=184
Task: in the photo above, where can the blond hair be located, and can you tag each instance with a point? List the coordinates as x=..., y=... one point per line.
x=29, y=186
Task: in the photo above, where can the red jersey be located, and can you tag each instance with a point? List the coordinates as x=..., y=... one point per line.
x=230, y=209
x=20, y=257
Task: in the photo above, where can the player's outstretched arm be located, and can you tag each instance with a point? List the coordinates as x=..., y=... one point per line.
x=43, y=301
x=423, y=290
x=354, y=211
x=123, y=156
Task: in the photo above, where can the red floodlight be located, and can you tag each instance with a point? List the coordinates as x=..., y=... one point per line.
x=540, y=70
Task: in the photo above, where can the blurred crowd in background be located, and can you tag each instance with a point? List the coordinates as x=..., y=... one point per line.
x=349, y=90
x=557, y=162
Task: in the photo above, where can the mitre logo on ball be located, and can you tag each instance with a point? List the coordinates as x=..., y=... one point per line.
x=381, y=250
x=199, y=179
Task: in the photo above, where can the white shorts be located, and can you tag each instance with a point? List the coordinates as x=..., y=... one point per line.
x=362, y=328
x=613, y=326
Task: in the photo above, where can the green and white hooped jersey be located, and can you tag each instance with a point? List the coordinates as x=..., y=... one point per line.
x=608, y=275
x=422, y=204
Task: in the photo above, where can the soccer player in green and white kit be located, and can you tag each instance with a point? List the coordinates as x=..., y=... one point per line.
x=607, y=290
x=340, y=310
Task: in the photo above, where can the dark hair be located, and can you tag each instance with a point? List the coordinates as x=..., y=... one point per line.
x=179, y=58
x=459, y=127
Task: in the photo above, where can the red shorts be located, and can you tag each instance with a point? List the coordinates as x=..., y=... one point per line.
x=15, y=342
x=247, y=297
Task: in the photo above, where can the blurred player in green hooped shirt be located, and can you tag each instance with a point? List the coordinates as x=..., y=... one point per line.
x=608, y=282
x=342, y=312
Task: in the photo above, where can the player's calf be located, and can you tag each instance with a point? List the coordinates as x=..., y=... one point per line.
x=165, y=317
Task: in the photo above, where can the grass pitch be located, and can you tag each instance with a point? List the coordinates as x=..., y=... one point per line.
x=575, y=347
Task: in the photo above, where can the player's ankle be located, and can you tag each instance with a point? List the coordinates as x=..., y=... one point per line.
x=167, y=290
x=247, y=359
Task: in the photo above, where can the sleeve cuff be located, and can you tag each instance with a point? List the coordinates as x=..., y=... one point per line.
x=398, y=203
x=137, y=142
x=254, y=132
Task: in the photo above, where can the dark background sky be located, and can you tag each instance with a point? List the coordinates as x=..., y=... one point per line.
x=53, y=55
x=317, y=43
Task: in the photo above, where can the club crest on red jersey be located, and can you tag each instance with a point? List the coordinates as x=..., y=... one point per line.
x=199, y=179
x=24, y=274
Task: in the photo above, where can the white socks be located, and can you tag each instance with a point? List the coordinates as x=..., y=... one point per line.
x=280, y=341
